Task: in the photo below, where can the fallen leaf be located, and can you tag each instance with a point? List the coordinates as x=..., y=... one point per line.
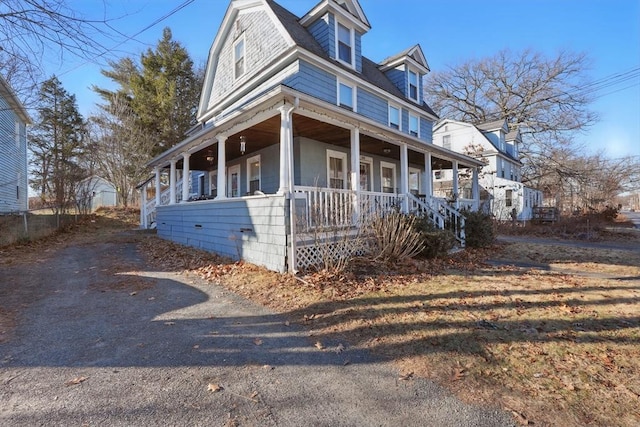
x=257, y=341
x=339, y=349
x=76, y=381
x=214, y=388
x=133, y=293
x=169, y=323
x=458, y=374
x=406, y=377
x=319, y=345
x=254, y=394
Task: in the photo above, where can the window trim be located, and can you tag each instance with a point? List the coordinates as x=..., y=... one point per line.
x=343, y=157
x=240, y=39
x=369, y=161
x=353, y=94
x=417, y=135
x=230, y=171
x=17, y=130
x=396, y=107
x=419, y=172
x=352, y=44
x=249, y=161
x=391, y=166
x=411, y=72
x=446, y=139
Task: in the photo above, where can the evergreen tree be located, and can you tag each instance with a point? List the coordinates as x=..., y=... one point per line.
x=164, y=92
x=57, y=145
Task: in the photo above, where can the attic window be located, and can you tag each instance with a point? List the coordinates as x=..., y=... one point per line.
x=345, y=44
x=413, y=85
x=238, y=57
x=446, y=142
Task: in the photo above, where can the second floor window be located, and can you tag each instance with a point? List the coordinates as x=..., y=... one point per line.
x=446, y=142
x=238, y=57
x=413, y=125
x=345, y=96
x=394, y=117
x=344, y=44
x=413, y=86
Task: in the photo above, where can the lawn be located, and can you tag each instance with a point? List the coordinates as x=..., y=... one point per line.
x=553, y=348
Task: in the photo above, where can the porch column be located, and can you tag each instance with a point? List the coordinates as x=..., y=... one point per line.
x=143, y=207
x=355, y=173
x=427, y=179
x=172, y=182
x=186, y=176
x=286, y=144
x=158, y=186
x=475, y=189
x=454, y=171
x=404, y=176
x=222, y=164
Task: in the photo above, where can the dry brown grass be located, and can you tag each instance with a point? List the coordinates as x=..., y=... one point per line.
x=552, y=348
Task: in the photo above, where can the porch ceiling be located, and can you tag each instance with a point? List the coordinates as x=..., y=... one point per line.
x=267, y=133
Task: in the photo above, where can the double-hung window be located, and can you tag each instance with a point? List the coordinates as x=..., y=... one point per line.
x=388, y=177
x=238, y=57
x=345, y=45
x=446, y=142
x=345, y=96
x=336, y=169
x=394, y=117
x=413, y=85
x=414, y=122
x=253, y=176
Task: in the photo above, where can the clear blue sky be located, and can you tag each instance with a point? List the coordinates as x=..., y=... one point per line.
x=449, y=33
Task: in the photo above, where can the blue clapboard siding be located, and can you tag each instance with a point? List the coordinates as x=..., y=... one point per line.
x=315, y=82
x=373, y=107
x=426, y=130
x=320, y=30
x=13, y=161
x=252, y=229
x=358, y=52
x=398, y=78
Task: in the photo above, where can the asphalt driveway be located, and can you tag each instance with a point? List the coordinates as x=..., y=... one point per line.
x=100, y=339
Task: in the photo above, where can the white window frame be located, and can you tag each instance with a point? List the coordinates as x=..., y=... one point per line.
x=446, y=139
x=419, y=173
x=230, y=171
x=391, y=166
x=352, y=44
x=239, y=40
x=200, y=191
x=353, y=94
x=417, y=135
x=411, y=72
x=249, y=161
x=213, y=181
x=396, y=107
x=369, y=161
x=343, y=157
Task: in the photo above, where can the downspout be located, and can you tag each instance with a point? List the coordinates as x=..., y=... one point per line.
x=292, y=194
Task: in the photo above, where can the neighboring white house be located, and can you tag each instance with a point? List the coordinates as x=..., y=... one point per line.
x=502, y=190
x=96, y=192
x=13, y=151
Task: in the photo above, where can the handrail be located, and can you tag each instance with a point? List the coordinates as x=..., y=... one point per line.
x=443, y=215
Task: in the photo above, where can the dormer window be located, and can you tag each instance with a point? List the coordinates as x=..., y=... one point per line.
x=238, y=57
x=413, y=85
x=345, y=44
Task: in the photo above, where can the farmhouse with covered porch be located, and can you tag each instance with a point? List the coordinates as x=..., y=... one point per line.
x=297, y=130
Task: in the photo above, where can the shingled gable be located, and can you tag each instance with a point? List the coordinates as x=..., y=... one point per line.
x=413, y=55
x=370, y=70
x=348, y=9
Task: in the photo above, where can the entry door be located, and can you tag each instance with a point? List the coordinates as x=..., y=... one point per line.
x=233, y=181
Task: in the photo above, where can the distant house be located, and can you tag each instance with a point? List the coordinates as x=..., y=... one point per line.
x=96, y=192
x=13, y=151
x=298, y=131
x=500, y=178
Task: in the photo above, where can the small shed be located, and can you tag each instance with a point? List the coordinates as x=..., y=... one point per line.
x=95, y=192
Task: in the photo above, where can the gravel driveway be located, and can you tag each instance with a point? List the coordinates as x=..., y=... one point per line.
x=101, y=339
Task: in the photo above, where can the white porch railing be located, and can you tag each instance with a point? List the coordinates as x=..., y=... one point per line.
x=331, y=207
x=165, y=197
x=441, y=213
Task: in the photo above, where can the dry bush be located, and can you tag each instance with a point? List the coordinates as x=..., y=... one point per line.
x=395, y=238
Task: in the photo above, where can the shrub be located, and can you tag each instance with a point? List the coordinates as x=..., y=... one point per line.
x=395, y=238
x=437, y=242
x=479, y=229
